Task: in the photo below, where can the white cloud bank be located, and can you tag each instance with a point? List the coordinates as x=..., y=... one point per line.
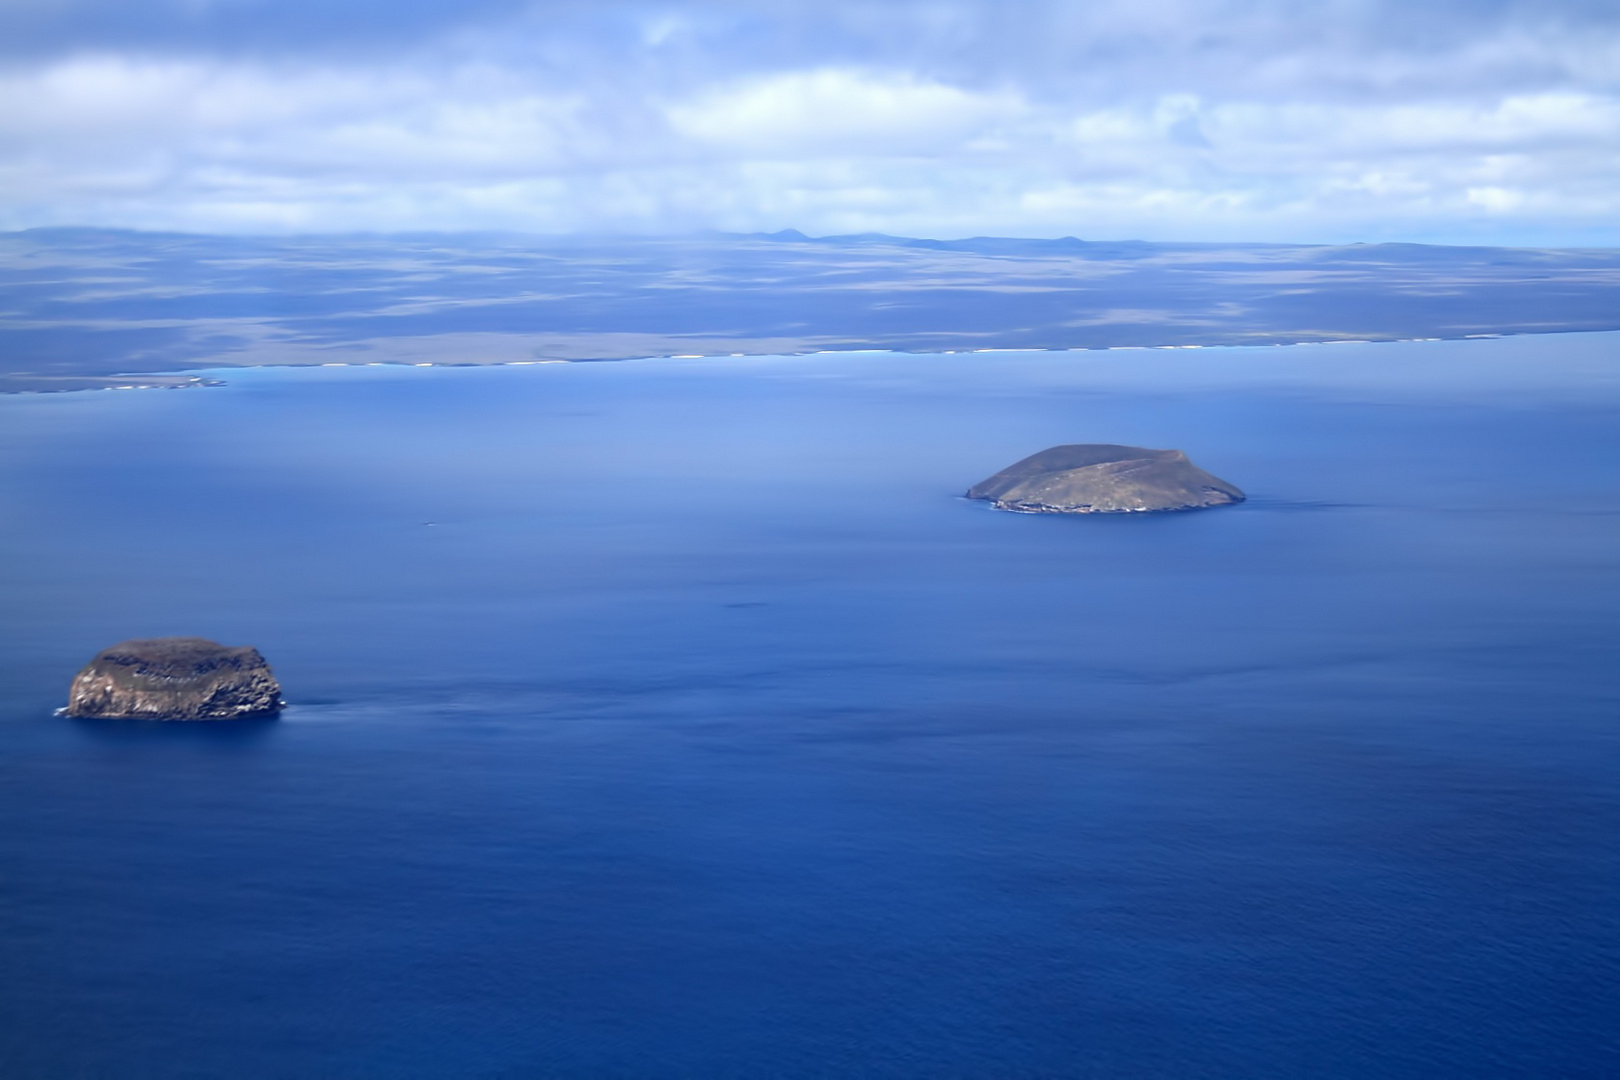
x=1187, y=121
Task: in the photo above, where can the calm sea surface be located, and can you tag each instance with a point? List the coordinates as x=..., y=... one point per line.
x=677, y=718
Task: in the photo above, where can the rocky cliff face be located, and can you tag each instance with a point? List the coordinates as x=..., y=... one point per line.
x=175, y=679
x=1102, y=478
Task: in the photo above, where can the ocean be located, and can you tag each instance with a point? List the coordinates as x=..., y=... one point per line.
x=679, y=718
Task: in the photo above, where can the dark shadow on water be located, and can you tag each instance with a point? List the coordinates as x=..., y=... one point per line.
x=243, y=730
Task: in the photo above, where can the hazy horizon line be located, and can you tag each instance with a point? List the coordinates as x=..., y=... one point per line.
x=787, y=235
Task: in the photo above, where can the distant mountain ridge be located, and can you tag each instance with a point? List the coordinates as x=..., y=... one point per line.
x=90, y=303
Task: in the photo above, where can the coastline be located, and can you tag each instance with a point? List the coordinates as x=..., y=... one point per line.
x=182, y=379
x=69, y=384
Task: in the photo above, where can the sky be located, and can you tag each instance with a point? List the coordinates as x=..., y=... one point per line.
x=1454, y=121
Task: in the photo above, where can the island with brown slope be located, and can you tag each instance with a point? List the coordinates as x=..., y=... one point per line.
x=175, y=678
x=1103, y=478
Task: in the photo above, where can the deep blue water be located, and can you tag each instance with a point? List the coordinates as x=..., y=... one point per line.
x=706, y=732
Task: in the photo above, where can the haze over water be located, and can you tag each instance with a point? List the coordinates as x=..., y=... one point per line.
x=678, y=718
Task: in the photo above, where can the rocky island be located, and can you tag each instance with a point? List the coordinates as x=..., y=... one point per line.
x=175, y=678
x=1102, y=478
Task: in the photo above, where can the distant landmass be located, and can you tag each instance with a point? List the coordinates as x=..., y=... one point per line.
x=1104, y=478
x=104, y=305
x=175, y=678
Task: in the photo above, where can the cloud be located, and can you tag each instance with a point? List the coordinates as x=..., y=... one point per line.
x=813, y=113
x=1201, y=119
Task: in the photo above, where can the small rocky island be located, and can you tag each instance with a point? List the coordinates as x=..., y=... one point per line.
x=175, y=678
x=1102, y=478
